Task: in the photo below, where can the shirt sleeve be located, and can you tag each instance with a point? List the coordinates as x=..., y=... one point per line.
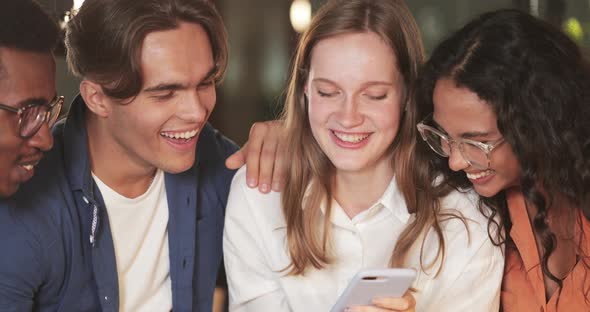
x=473, y=268
x=252, y=283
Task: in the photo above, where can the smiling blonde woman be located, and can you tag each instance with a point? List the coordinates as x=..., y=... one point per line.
x=358, y=195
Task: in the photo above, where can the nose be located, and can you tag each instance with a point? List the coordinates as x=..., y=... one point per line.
x=42, y=140
x=195, y=107
x=350, y=115
x=456, y=160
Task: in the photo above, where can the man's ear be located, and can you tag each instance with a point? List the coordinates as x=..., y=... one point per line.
x=95, y=99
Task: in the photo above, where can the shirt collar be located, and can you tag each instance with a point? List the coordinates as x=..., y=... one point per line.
x=392, y=200
x=76, y=148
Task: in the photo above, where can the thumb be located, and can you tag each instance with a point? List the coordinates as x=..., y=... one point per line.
x=237, y=159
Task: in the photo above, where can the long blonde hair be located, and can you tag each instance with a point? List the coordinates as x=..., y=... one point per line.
x=310, y=175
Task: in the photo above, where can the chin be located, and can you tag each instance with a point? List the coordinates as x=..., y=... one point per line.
x=178, y=167
x=487, y=191
x=8, y=190
x=348, y=166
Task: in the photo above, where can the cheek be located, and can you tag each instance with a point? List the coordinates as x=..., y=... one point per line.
x=209, y=98
x=318, y=113
x=386, y=117
x=507, y=165
x=10, y=141
x=140, y=123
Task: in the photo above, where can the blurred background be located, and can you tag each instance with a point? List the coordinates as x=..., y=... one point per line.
x=263, y=35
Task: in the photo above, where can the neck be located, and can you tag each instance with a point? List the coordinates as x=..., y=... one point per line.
x=357, y=191
x=113, y=164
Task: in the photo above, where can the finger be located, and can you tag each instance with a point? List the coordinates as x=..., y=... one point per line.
x=237, y=159
x=279, y=171
x=267, y=162
x=398, y=304
x=255, y=141
x=366, y=309
x=406, y=303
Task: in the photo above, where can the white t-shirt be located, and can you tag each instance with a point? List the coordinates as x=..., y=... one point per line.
x=139, y=227
x=255, y=253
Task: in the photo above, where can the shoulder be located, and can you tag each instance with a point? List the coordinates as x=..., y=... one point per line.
x=465, y=204
x=212, y=150
x=214, y=146
x=466, y=227
x=24, y=238
x=248, y=203
x=39, y=203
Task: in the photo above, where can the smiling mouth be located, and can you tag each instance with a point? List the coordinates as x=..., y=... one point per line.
x=479, y=175
x=181, y=136
x=27, y=167
x=350, y=137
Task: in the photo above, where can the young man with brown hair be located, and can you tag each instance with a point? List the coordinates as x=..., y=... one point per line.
x=126, y=212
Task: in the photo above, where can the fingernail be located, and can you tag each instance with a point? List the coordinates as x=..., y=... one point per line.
x=264, y=188
x=252, y=182
x=276, y=186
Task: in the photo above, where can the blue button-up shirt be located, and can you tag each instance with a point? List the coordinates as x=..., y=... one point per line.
x=56, y=248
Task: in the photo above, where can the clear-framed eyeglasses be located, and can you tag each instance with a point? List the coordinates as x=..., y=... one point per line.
x=475, y=153
x=32, y=116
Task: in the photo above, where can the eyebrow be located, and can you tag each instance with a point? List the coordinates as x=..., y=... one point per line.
x=172, y=86
x=465, y=135
x=365, y=85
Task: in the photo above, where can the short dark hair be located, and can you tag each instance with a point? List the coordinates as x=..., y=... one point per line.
x=25, y=26
x=104, y=38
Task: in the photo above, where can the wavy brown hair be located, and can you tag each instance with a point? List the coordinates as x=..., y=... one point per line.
x=104, y=38
x=311, y=172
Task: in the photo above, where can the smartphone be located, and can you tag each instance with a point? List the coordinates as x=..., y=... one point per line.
x=370, y=283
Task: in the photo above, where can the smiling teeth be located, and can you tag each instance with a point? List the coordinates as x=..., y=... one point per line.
x=181, y=135
x=28, y=167
x=350, y=138
x=475, y=176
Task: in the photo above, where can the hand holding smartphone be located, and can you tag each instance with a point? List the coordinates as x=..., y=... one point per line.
x=368, y=284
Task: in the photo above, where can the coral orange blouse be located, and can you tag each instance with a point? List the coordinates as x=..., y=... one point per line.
x=522, y=287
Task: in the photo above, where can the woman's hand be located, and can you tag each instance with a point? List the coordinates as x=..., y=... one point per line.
x=405, y=304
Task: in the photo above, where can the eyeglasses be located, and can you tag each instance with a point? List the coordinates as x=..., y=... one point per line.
x=32, y=116
x=475, y=153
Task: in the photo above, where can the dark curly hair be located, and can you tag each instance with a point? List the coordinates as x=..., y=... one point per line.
x=25, y=26
x=537, y=82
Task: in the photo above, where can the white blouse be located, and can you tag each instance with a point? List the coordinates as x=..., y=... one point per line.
x=256, y=254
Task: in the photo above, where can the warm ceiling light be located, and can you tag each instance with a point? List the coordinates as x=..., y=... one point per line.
x=78, y=4
x=300, y=14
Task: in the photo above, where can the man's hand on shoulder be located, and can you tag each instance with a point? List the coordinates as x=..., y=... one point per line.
x=263, y=155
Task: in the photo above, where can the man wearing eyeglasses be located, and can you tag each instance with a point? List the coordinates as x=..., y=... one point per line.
x=28, y=102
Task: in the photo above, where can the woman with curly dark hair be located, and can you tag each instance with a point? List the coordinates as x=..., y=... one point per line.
x=507, y=100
